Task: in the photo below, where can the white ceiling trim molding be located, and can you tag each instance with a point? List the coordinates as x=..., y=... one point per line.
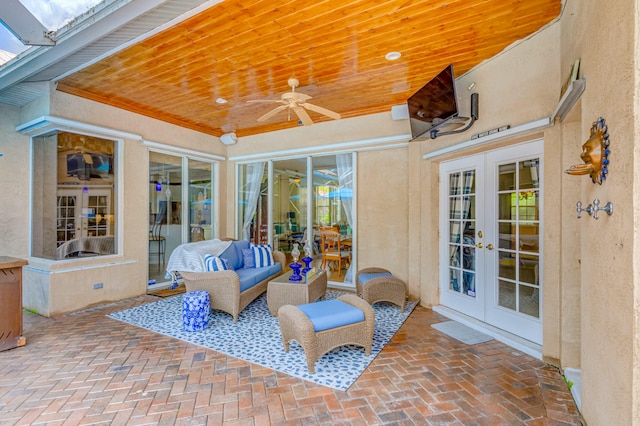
x=170, y=149
x=386, y=142
x=47, y=123
x=521, y=129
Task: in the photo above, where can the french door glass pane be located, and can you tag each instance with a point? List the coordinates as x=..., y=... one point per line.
x=462, y=230
x=519, y=236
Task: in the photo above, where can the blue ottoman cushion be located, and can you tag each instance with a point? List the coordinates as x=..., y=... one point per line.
x=195, y=310
x=329, y=314
x=364, y=277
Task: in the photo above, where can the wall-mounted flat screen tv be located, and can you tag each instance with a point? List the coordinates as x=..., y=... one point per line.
x=434, y=104
x=89, y=165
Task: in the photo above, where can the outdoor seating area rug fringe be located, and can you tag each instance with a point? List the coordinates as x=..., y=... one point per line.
x=256, y=338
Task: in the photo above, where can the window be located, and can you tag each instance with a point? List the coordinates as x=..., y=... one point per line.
x=73, y=206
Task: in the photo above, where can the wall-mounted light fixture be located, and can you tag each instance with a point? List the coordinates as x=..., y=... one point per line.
x=229, y=138
x=569, y=99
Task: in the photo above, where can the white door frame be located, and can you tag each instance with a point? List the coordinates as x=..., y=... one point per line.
x=484, y=303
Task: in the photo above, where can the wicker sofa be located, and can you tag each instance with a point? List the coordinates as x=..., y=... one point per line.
x=232, y=290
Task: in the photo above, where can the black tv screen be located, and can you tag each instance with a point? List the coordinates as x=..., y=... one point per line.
x=433, y=104
x=100, y=165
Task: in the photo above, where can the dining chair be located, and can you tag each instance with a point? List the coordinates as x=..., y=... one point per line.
x=155, y=236
x=331, y=249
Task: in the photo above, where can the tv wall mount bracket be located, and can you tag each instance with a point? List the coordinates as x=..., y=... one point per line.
x=474, y=116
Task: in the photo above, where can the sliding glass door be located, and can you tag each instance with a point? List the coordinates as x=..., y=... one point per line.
x=182, y=197
x=293, y=201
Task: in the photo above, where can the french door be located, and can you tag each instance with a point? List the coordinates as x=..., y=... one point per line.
x=83, y=213
x=490, y=238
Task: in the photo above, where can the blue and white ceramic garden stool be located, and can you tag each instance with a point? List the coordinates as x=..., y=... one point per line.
x=195, y=310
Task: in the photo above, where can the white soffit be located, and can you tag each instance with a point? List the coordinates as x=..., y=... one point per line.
x=105, y=29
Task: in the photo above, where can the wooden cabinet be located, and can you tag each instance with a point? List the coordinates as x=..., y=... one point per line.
x=11, y=302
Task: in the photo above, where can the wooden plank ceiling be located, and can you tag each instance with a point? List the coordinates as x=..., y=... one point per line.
x=247, y=50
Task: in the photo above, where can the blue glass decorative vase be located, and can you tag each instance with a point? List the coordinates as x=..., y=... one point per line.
x=307, y=261
x=295, y=267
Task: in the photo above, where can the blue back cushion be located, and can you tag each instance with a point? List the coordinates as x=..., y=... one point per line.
x=328, y=314
x=239, y=246
x=232, y=257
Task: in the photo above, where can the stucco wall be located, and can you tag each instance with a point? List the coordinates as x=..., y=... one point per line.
x=602, y=35
x=14, y=190
x=51, y=287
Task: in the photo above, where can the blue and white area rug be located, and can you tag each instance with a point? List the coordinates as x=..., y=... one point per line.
x=256, y=338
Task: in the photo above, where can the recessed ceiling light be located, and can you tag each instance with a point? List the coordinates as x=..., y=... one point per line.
x=392, y=56
x=221, y=101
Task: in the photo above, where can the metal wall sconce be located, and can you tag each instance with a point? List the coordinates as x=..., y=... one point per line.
x=592, y=210
x=595, y=154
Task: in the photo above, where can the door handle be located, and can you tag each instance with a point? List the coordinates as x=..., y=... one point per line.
x=479, y=245
x=489, y=246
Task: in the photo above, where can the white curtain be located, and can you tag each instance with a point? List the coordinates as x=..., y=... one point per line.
x=253, y=181
x=345, y=188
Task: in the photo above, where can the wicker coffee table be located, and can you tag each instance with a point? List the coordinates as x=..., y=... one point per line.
x=281, y=291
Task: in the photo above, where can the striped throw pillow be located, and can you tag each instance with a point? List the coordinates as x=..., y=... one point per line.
x=213, y=263
x=263, y=256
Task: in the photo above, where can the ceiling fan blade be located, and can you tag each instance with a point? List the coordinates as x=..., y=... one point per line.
x=267, y=101
x=321, y=110
x=272, y=113
x=302, y=115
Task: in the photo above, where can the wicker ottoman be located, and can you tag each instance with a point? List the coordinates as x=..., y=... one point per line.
x=322, y=326
x=379, y=285
x=195, y=310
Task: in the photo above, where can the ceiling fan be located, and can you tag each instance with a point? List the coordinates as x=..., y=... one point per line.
x=298, y=103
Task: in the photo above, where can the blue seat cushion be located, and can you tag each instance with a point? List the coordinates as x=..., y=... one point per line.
x=251, y=277
x=328, y=314
x=364, y=277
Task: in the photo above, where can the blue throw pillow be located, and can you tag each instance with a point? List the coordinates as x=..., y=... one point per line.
x=213, y=263
x=262, y=256
x=252, y=245
x=249, y=260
